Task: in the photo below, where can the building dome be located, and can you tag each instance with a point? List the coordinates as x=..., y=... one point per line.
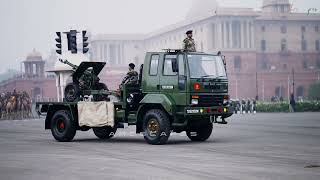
x=275, y=2
x=202, y=8
x=34, y=56
x=276, y=6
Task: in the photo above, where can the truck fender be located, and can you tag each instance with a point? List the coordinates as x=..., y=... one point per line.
x=153, y=101
x=160, y=99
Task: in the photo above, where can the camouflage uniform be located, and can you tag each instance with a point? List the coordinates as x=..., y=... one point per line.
x=189, y=44
x=131, y=78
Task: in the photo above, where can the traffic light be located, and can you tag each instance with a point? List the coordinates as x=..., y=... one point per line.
x=58, y=40
x=72, y=41
x=85, y=43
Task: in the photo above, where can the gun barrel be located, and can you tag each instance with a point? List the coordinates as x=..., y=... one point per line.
x=74, y=67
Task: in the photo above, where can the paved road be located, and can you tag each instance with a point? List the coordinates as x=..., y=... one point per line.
x=263, y=146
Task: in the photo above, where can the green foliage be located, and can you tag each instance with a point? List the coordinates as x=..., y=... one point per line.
x=307, y=106
x=314, y=91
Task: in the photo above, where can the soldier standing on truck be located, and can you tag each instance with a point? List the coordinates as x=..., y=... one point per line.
x=131, y=77
x=189, y=43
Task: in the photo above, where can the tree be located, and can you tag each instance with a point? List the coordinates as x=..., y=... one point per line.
x=314, y=91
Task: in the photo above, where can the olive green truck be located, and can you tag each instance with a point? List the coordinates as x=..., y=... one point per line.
x=176, y=91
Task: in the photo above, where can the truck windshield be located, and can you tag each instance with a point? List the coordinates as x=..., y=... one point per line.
x=206, y=66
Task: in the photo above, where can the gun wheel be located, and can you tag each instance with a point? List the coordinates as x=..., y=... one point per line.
x=71, y=92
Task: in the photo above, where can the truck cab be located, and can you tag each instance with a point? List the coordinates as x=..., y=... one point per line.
x=191, y=88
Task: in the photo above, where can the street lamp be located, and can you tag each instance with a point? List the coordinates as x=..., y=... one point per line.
x=293, y=82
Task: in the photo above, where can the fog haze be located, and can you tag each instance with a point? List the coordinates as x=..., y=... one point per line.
x=28, y=24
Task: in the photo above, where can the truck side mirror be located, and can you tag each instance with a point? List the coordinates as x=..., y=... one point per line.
x=224, y=61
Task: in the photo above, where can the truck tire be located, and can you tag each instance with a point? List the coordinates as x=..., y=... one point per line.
x=104, y=132
x=63, y=128
x=201, y=133
x=156, y=127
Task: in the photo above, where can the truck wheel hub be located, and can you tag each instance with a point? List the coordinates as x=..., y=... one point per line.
x=153, y=126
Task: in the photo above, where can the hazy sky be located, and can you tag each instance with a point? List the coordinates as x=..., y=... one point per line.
x=28, y=24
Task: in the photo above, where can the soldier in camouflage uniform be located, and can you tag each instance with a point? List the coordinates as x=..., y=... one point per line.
x=188, y=43
x=131, y=77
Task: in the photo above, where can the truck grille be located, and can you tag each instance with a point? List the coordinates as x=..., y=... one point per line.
x=210, y=100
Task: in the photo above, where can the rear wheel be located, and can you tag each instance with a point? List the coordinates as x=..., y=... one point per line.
x=156, y=126
x=199, y=133
x=63, y=128
x=104, y=132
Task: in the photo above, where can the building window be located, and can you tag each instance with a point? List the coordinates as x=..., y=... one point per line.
x=303, y=29
x=263, y=45
x=283, y=29
x=264, y=64
x=283, y=45
x=318, y=63
x=316, y=28
x=237, y=63
x=317, y=45
x=282, y=8
x=305, y=64
x=303, y=45
x=279, y=91
x=263, y=28
x=300, y=91
x=284, y=66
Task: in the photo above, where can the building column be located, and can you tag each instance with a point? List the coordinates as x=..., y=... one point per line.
x=225, y=35
x=122, y=54
x=219, y=37
x=252, y=36
x=242, y=38
x=108, y=60
x=213, y=36
x=119, y=53
x=98, y=55
x=230, y=35
x=248, y=34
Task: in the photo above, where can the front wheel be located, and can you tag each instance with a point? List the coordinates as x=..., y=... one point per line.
x=156, y=126
x=63, y=128
x=104, y=132
x=201, y=133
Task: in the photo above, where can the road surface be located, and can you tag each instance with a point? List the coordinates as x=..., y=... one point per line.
x=262, y=146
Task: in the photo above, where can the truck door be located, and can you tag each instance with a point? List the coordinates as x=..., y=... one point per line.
x=152, y=73
x=173, y=79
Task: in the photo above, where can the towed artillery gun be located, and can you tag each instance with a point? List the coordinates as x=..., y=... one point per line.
x=85, y=82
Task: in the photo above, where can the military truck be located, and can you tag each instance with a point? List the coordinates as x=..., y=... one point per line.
x=177, y=91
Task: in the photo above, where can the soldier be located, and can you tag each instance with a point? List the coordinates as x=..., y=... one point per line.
x=131, y=77
x=188, y=43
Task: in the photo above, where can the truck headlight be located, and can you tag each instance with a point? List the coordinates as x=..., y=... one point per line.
x=194, y=101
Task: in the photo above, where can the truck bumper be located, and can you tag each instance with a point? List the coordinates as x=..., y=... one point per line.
x=223, y=111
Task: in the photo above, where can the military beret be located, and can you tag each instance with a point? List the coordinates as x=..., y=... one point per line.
x=132, y=65
x=189, y=32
